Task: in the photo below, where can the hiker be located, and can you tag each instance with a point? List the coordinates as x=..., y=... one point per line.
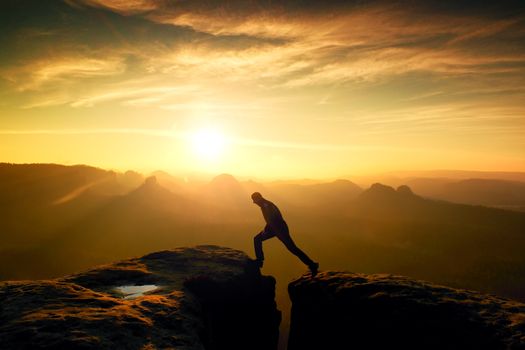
x=277, y=227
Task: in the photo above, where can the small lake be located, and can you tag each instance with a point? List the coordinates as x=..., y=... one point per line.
x=132, y=292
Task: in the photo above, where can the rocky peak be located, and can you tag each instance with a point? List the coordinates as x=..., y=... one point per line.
x=209, y=297
x=225, y=179
x=206, y=297
x=337, y=310
x=378, y=190
x=150, y=181
x=405, y=190
x=225, y=190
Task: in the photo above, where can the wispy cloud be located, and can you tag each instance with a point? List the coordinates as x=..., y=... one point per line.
x=195, y=55
x=133, y=95
x=445, y=119
x=36, y=74
x=321, y=44
x=127, y=7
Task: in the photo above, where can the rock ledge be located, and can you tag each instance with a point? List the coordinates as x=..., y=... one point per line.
x=350, y=310
x=206, y=297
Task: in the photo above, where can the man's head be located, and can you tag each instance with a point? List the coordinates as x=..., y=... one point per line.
x=257, y=198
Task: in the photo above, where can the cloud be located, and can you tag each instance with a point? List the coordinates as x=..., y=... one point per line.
x=264, y=46
x=340, y=43
x=445, y=119
x=127, y=7
x=133, y=95
x=38, y=73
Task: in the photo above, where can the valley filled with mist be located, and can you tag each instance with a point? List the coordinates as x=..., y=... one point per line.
x=57, y=220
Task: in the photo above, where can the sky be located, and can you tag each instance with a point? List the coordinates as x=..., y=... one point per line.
x=271, y=89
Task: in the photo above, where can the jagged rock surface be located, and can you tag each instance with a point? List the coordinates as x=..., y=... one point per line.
x=207, y=297
x=339, y=310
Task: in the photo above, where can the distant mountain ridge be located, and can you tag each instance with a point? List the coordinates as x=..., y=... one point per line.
x=376, y=229
x=507, y=192
x=460, y=174
x=489, y=192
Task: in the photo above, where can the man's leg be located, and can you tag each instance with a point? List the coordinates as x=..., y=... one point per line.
x=257, y=243
x=290, y=245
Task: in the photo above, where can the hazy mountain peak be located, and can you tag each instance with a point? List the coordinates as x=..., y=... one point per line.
x=382, y=194
x=380, y=188
x=342, y=181
x=152, y=187
x=226, y=185
x=160, y=173
x=150, y=181
x=224, y=179
x=405, y=190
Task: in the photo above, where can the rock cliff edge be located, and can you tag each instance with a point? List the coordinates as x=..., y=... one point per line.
x=341, y=310
x=206, y=297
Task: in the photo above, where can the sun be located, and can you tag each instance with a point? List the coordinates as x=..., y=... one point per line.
x=208, y=144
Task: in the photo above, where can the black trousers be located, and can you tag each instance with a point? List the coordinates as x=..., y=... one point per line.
x=280, y=231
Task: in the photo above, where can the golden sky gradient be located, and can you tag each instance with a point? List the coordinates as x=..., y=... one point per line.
x=289, y=88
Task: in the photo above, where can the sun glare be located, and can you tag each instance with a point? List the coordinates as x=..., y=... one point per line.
x=208, y=143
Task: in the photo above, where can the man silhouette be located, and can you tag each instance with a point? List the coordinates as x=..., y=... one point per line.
x=277, y=227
